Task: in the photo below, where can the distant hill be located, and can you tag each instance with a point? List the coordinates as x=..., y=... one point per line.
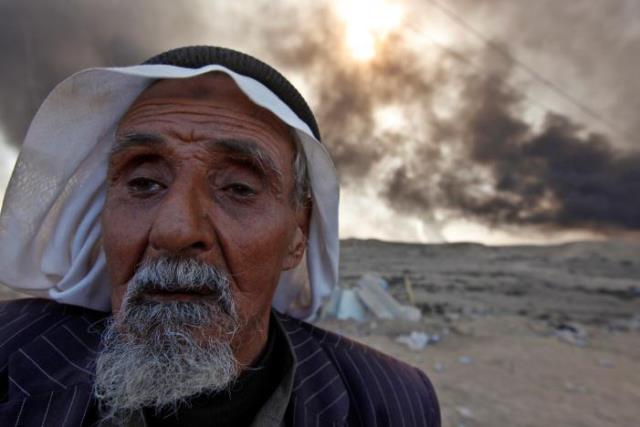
x=590, y=281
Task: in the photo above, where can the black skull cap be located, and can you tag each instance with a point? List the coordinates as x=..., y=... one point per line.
x=246, y=65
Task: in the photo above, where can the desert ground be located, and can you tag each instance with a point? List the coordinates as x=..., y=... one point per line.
x=528, y=335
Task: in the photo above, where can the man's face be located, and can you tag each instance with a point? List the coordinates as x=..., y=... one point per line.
x=199, y=171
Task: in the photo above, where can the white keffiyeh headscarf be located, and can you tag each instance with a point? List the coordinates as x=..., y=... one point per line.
x=50, y=236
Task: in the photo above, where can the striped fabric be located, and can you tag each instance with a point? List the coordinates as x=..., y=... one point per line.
x=47, y=353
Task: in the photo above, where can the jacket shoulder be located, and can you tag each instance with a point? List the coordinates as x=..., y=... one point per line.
x=46, y=354
x=24, y=320
x=382, y=389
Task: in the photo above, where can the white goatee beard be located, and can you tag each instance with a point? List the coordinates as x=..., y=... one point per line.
x=153, y=355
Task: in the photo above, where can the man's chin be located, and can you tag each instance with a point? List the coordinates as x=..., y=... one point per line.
x=161, y=369
x=170, y=340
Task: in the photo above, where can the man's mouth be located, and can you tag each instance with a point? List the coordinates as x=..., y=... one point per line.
x=177, y=295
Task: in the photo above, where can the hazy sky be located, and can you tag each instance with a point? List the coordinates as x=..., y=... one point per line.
x=495, y=121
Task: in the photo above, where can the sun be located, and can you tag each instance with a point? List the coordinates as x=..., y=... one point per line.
x=367, y=22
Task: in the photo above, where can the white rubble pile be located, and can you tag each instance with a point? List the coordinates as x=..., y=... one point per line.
x=368, y=299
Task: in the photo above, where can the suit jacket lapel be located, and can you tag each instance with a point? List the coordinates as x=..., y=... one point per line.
x=319, y=394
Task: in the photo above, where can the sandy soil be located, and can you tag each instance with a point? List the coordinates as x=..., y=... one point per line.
x=501, y=360
x=517, y=374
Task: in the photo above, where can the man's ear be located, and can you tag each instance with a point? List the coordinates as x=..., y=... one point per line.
x=296, y=250
x=298, y=245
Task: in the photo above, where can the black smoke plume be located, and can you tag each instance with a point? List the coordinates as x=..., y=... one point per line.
x=508, y=172
x=486, y=162
x=42, y=42
x=468, y=149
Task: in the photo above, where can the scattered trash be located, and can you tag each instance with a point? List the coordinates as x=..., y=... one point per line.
x=634, y=322
x=452, y=317
x=439, y=367
x=371, y=290
x=345, y=304
x=465, y=360
x=605, y=363
x=572, y=333
x=416, y=341
x=465, y=412
x=408, y=287
x=574, y=388
x=629, y=324
x=368, y=299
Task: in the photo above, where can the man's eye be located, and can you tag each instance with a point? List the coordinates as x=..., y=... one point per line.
x=144, y=185
x=240, y=190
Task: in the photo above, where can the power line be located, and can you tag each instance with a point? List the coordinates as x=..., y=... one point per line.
x=528, y=69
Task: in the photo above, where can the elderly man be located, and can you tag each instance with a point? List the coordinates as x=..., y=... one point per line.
x=180, y=219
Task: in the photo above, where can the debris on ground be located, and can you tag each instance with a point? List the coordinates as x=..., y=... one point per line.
x=408, y=287
x=345, y=304
x=416, y=340
x=369, y=298
x=605, y=363
x=465, y=360
x=372, y=292
x=634, y=323
x=464, y=412
x=571, y=333
x=574, y=388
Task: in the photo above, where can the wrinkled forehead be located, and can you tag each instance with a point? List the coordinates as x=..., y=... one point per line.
x=212, y=90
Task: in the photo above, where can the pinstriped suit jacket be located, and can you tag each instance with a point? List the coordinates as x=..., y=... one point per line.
x=47, y=352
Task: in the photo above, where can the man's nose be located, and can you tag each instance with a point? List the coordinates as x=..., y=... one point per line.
x=182, y=226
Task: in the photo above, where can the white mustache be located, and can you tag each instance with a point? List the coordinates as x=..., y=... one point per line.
x=180, y=275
